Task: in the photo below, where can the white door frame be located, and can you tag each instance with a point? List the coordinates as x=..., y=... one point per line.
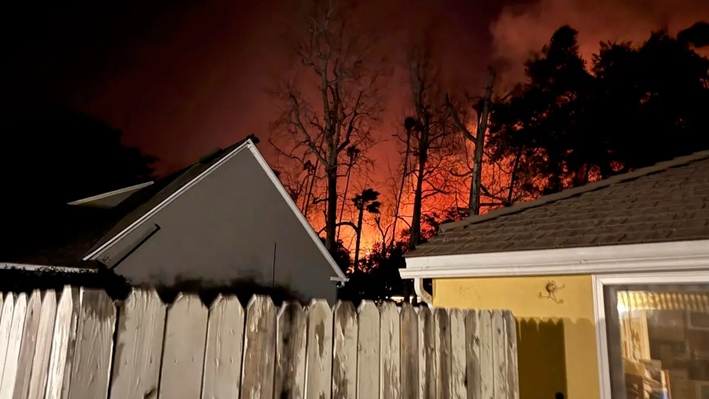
x=601, y=280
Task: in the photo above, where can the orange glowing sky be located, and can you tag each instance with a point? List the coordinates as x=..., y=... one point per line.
x=183, y=77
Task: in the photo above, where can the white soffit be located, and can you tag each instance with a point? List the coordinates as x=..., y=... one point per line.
x=667, y=256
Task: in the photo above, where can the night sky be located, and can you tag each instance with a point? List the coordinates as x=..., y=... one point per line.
x=182, y=77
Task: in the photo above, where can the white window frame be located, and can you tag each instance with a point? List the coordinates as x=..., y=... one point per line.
x=654, y=278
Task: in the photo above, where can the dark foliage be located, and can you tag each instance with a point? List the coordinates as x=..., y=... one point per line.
x=377, y=276
x=56, y=156
x=634, y=106
x=20, y=280
x=244, y=290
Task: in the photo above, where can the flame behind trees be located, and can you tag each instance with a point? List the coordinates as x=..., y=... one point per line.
x=572, y=122
x=319, y=130
x=429, y=145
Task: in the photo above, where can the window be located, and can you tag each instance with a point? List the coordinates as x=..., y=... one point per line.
x=658, y=340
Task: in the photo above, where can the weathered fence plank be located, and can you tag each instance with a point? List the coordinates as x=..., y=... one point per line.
x=458, y=388
x=45, y=334
x=139, y=341
x=8, y=306
x=29, y=342
x=512, y=371
x=472, y=354
x=291, y=339
x=487, y=363
x=60, y=344
x=223, y=354
x=427, y=351
x=344, y=362
x=409, y=367
x=368, y=351
x=499, y=355
x=318, y=366
x=12, y=355
x=94, y=346
x=442, y=339
x=71, y=346
x=259, y=349
x=389, y=352
x=183, y=353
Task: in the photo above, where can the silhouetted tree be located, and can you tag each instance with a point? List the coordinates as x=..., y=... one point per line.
x=55, y=156
x=364, y=201
x=477, y=139
x=322, y=128
x=636, y=106
x=427, y=137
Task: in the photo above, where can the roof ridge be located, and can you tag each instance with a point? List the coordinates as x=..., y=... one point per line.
x=573, y=192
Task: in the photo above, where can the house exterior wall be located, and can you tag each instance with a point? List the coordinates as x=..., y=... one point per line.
x=228, y=226
x=557, y=339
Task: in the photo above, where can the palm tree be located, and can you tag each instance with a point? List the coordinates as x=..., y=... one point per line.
x=364, y=201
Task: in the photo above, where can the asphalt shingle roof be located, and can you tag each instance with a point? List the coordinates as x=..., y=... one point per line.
x=665, y=202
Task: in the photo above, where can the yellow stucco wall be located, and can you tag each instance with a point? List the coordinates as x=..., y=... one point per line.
x=557, y=339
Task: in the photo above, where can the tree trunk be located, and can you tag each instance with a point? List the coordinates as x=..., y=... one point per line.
x=513, y=178
x=404, y=173
x=476, y=179
x=344, y=197
x=415, y=234
x=359, y=237
x=331, y=214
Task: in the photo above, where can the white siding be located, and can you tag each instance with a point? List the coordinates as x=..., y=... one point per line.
x=224, y=228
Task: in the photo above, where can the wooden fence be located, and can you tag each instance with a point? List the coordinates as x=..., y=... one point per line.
x=80, y=345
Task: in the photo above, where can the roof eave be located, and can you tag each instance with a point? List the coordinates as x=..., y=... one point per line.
x=340, y=275
x=674, y=256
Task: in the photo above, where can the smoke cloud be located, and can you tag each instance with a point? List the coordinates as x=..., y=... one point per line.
x=522, y=30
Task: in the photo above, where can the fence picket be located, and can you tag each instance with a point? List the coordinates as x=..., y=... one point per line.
x=486, y=357
x=94, y=346
x=512, y=371
x=409, y=364
x=71, y=345
x=12, y=355
x=318, y=355
x=183, y=353
x=427, y=364
x=472, y=354
x=27, y=350
x=136, y=364
x=259, y=349
x=344, y=363
x=61, y=339
x=389, y=351
x=291, y=329
x=8, y=306
x=225, y=336
x=457, y=332
x=368, y=351
x=42, y=353
x=499, y=355
x=442, y=339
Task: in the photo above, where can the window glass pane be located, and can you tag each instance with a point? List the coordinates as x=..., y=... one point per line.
x=658, y=339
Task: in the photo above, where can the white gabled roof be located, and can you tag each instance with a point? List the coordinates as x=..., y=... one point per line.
x=246, y=145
